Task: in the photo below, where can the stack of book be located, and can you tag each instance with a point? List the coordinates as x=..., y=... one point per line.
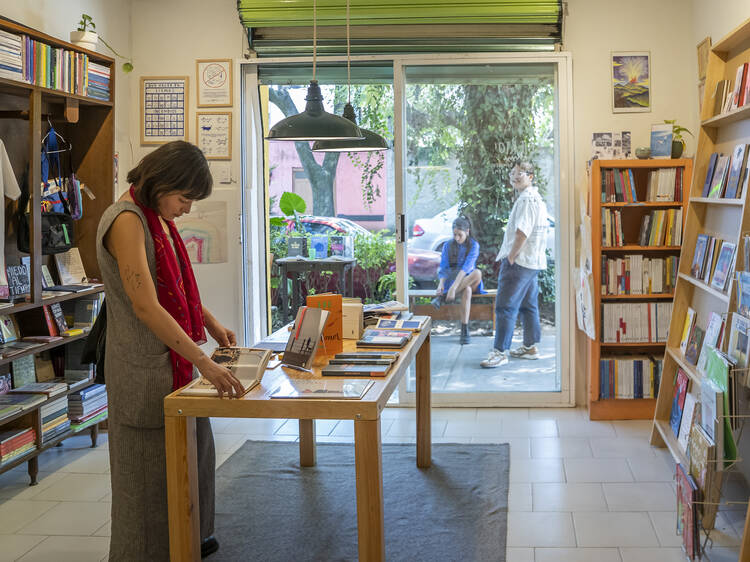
x=384, y=338
x=727, y=176
x=713, y=261
x=87, y=406
x=638, y=275
x=389, y=310
x=661, y=228
x=612, y=228
x=635, y=322
x=361, y=363
x=98, y=81
x=11, y=403
x=11, y=60
x=48, y=389
x=629, y=377
x=665, y=184
x=55, y=420
x=54, y=68
x=15, y=443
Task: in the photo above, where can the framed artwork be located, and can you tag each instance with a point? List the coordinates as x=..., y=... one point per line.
x=214, y=79
x=631, y=81
x=164, y=106
x=703, y=49
x=214, y=134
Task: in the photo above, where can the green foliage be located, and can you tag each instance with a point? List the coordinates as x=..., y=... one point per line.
x=386, y=287
x=86, y=21
x=374, y=250
x=677, y=130
x=292, y=206
x=547, y=286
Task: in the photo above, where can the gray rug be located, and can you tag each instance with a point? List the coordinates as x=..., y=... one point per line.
x=269, y=509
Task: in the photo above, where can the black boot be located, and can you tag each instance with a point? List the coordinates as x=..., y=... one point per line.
x=464, y=334
x=209, y=546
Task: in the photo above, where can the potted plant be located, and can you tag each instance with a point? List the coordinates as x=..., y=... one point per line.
x=87, y=37
x=678, y=142
x=292, y=206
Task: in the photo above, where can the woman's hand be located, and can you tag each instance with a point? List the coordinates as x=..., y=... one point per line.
x=451, y=296
x=223, y=336
x=440, y=288
x=221, y=377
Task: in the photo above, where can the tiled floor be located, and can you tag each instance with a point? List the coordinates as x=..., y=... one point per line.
x=580, y=491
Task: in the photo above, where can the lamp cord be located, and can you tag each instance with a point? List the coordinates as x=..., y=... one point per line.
x=348, y=57
x=315, y=36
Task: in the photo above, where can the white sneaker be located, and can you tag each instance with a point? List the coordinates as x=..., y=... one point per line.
x=494, y=359
x=523, y=352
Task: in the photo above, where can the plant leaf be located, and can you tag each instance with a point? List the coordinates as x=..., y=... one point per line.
x=291, y=203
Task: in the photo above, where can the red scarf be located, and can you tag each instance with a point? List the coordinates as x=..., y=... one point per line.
x=176, y=289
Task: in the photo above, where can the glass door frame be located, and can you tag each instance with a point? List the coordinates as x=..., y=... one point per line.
x=255, y=200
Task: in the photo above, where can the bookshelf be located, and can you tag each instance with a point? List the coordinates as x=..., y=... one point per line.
x=631, y=214
x=88, y=124
x=722, y=218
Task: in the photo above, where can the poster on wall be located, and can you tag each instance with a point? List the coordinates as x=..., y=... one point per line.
x=214, y=79
x=631, y=82
x=204, y=231
x=164, y=103
x=214, y=134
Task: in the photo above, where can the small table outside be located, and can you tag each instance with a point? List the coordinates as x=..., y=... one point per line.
x=301, y=266
x=182, y=471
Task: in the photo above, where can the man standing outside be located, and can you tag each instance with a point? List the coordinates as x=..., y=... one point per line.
x=522, y=257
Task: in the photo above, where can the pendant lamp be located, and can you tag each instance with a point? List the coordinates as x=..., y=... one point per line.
x=371, y=142
x=315, y=123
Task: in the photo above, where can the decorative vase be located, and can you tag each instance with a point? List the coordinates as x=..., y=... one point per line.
x=642, y=152
x=677, y=147
x=85, y=39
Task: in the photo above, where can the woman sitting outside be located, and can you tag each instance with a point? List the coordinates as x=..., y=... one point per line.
x=458, y=272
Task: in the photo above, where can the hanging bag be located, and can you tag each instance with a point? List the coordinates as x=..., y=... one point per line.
x=57, y=224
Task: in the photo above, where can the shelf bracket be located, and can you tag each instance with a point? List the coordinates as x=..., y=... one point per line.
x=71, y=110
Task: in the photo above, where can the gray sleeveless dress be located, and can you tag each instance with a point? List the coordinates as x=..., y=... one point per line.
x=138, y=375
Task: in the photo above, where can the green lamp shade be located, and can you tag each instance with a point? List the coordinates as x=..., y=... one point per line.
x=314, y=124
x=371, y=142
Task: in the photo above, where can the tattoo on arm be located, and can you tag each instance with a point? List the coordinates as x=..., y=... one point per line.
x=133, y=278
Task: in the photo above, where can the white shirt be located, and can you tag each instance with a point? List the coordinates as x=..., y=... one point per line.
x=529, y=215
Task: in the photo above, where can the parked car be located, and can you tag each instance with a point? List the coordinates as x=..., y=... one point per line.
x=432, y=233
x=423, y=264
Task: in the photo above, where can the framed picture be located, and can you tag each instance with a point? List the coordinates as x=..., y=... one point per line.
x=164, y=106
x=214, y=134
x=631, y=82
x=703, y=49
x=214, y=79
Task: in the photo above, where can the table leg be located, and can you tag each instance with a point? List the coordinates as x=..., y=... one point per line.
x=182, y=488
x=307, y=442
x=284, y=294
x=424, y=429
x=369, y=473
x=33, y=468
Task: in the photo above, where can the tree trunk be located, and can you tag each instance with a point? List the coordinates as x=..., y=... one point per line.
x=321, y=176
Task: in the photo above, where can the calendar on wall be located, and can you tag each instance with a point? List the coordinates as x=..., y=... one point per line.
x=164, y=107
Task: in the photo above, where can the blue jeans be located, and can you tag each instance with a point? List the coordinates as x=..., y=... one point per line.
x=517, y=291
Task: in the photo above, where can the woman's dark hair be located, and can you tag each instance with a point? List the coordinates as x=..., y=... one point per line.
x=462, y=223
x=525, y=165
x=175, y=166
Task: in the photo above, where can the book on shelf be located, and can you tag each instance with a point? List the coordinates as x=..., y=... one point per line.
x=711, y=339
x=743, y=293
x=24, y=371
x=638, y=275
x=333, y=332
x=719, y=95
x=247, y=364
x=346, y=389
x=736, y=168
x=44, y=367
x=6, y=379
x=718, y=181
x=694, y=345
x=739, y=82
x=712, y=414
x=702, y=461
x=722, y=269
x=629, y=377
x=661, y=228
x=699, y=256
x=8, y=328
x=717, y=371
x=305, y=337
x=687, y=496
x=414, y=324
x=70, y=267
x=48, y=389
x=679, y=393
x=643, y=322
x=15, y=443
x=384, y=338
x=686, y=422
x=687, y=329
x=661, y=140
x=19, y=284
x=739, y=340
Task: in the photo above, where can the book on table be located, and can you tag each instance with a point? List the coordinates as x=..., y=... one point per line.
x=384, y=338
x=333, y=332
x=415, y=323
x=247, y=365
x=341, y=389
x=355, y=369
x=306, y=335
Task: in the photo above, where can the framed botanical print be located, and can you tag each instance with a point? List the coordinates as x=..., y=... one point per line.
x=631, y=81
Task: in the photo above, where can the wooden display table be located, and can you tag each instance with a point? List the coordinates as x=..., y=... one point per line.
x=182, y=473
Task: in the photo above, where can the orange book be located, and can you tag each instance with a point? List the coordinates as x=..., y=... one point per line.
x=334, y=330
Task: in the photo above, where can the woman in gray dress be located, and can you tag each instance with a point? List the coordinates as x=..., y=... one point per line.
x=155, y=324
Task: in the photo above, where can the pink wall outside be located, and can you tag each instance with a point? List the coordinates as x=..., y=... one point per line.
x=348, y=191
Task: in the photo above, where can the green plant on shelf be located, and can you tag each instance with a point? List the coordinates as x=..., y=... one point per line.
x=86, y=24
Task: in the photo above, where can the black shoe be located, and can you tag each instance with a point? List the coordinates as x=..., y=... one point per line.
x=464, y=338
x=437, y=302
x=209, y=546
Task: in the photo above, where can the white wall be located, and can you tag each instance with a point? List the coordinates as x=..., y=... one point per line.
x=112, y=18
x=716, y=19
x=594, y=28
x=167, y=37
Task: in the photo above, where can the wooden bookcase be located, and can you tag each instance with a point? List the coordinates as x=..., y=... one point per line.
x=723, y=218
x=632, y=214
x=88, y=125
